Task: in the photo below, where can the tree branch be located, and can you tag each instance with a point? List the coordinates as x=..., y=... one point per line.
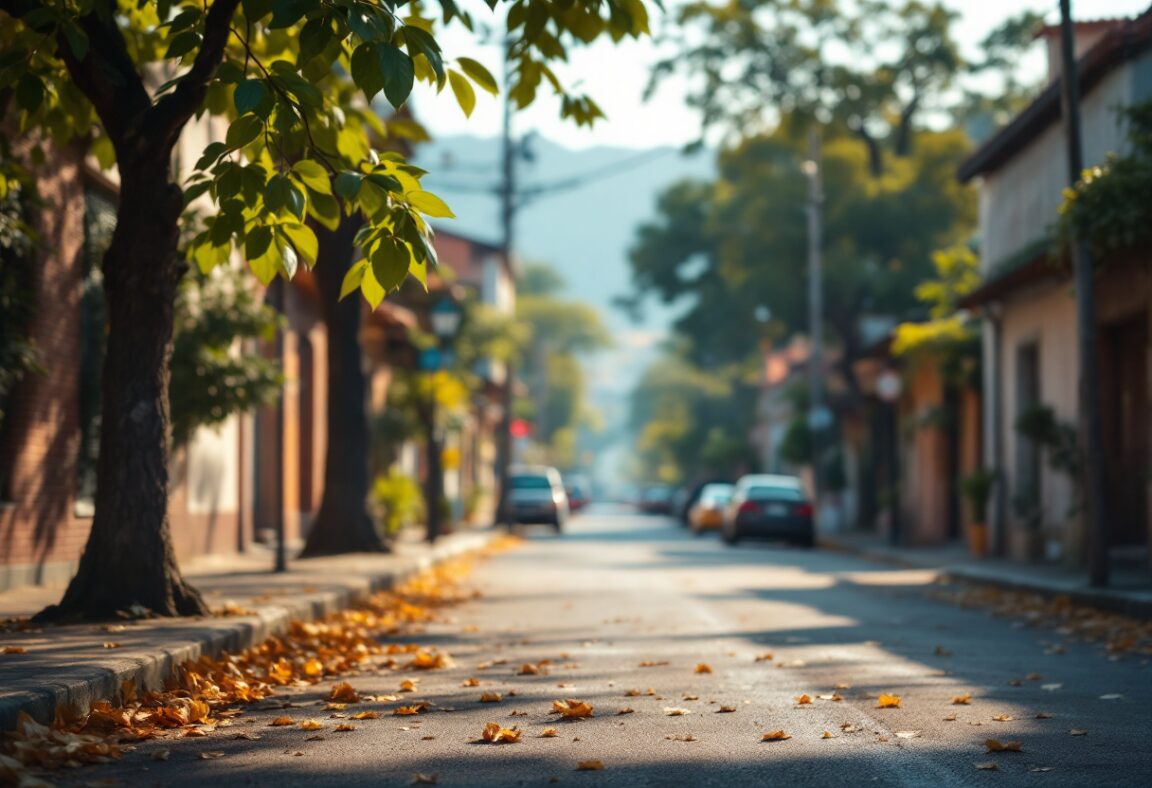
x=168, y=117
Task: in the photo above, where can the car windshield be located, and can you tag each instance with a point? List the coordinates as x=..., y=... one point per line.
x=531, y=483
x=716, y=497
x=764, y=493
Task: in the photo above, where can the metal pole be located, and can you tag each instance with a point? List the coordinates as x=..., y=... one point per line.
x=276, y=299
x=508, y=225
x=1091, y=430
x=815, y=312
x=435, y=480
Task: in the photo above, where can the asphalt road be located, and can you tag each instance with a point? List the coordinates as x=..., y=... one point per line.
x=618, y=591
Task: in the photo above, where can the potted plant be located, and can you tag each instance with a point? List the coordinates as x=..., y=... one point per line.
x=976, y=488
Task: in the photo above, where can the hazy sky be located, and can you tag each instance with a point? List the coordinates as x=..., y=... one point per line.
x=616, y=75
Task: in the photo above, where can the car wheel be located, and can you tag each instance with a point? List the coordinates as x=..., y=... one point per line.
x=731, y=537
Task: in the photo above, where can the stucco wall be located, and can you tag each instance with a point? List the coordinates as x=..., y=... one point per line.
x=1047, y=317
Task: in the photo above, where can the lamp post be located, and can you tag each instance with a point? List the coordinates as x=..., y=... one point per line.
x=444, y=316
x=889, y=384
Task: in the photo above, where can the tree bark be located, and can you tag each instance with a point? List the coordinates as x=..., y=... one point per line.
x=128, y=560
x=343, y=524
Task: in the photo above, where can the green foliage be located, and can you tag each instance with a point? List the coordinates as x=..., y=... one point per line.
x=213, y=378
x=398, y=502
x=1059, y=439
x=1109, y=206
x=18, y=354
x=294, y=82
x=731, y=248
x=976, y=488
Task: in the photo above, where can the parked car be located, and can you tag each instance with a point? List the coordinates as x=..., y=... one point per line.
x=656, y=499
x=687, y=497
x=769, y=506
x=708, y=511
x=536, y=495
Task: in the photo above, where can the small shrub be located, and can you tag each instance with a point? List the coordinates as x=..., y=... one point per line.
x=397, y=500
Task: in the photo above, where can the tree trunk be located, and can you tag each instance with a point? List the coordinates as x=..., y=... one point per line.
x=343, y=524
x=128, y=560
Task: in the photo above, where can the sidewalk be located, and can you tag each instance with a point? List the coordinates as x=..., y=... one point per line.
x=1130, y=592
x=71, y=666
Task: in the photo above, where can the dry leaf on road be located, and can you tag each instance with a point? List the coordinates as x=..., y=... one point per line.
x=827, y=735
x=344, y=693
x=425, y=779
x=572, y=709
x=549, y=733
x=366, y=715
x=491, y=697
x=888, y=702
x=775, y=736
x=311, y=725
x=703, y=667
x=725, y=709
x=1078, y=732
x=676, y=711
x=495, y=734
x=590, y=766
x=803, y=700
x=989, y=766
x=281, y=721
x=995, y=745
x=962, y=700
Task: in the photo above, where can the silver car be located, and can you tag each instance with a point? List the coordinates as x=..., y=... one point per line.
x=536, y=495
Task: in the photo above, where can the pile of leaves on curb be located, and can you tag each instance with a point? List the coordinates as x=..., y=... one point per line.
x=204, y=694
x=1120, y=635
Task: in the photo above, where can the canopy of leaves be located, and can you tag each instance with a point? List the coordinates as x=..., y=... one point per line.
x=1110, y=207
x=18, y=355
x=294, y=81
x=947, y=332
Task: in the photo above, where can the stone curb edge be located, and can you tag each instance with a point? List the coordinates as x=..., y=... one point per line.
x=1103, y=599
x=241, y=632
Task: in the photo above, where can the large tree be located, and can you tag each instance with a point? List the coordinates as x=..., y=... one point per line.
x=295, y=148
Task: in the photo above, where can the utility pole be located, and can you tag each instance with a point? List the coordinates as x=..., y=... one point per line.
x=276, y=301
x=817, y=413
x=507, y=244
x=1091, y=430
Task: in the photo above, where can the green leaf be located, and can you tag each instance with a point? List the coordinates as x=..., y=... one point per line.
x=289, y=262
x=353, y=278
x=303, y=241
x=423, y=42
x=276, y=193
x=428, y=203
x=371, y=289
x=347, y=184
x=211, y=155
x=478, y=74
x=418, y=270
x=29, y=92
x=366, y=71
x=182, y=43
x=313, y=175
x=243, y=131
x=77, y=39
x=314, y=37
x=266, y=265
x=249, y=95
x=257, y=241
x=286, y=13
x=195, y=190
x=390, y=262
x=325, y=209
x=396, y=66
x=462, y=89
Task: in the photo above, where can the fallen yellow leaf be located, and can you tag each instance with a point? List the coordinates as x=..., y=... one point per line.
x=1003, y=718
x=572, y=709
x=549, y=733
x=490, y=697
x=470, y=682
x=344, y=693
x=725, y=709
x=345, y=726
x=962, y=700
x=775, y=736
x=495, y=734
x=590, y=766
x=888, y=702
x=13, y=650
x=995, y=745
x=675, y=711
x=528, y=669
x=281, y=721
x=311, y=725
x=366, y=715
x=653, y=663
x=408, y=711
x=988, y=766
x=211, y=756
x=111, y=645
x=827, y=735
x=425, y=779
x=765, y=657
x=409, y=685
x=803, y=700
x=703, y=667
x=313, y=668
x=626, y=710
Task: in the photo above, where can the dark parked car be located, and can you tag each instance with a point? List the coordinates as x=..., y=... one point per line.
x=656, y=500
x=771, y=507
x=537, y=496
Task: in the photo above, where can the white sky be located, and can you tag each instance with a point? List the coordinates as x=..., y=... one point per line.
x=615, y=76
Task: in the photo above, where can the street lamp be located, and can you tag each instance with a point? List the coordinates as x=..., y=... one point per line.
x=889, y=386
x=444, y=316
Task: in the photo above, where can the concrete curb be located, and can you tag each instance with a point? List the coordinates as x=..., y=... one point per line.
x=79, y=686
x=1136, y=605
